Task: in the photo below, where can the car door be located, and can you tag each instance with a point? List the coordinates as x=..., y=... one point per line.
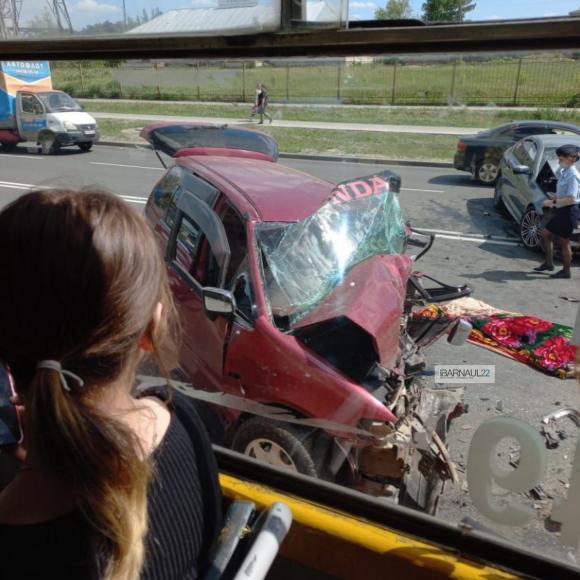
x=509, y=178
x=31, y=116
x=197, y=241
x=526, y=155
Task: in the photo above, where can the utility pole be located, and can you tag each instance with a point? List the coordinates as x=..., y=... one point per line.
x=124, y=16
x=9, y=17
x=61, y=15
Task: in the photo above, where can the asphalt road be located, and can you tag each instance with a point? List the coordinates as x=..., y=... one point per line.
x=441, y=201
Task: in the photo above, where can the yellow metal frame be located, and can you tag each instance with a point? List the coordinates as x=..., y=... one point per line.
x=347, y=547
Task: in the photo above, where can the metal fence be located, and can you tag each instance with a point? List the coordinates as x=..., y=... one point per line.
x=510, y=81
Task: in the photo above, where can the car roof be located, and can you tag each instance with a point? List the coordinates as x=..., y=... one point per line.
x=556, y=140
x=536, y=123
x=276, y=192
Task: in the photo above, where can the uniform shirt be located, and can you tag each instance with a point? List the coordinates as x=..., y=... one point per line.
x=568, y=184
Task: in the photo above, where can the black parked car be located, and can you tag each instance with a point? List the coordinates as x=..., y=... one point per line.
x=481, y=154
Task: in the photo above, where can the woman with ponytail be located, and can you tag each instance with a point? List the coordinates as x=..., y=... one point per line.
x=112, y=486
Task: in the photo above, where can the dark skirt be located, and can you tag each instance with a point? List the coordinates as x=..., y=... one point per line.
x=564, y=221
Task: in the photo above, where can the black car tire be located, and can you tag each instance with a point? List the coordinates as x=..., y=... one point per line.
x=303, y=450
x=486, y=171
x=498, y=203
x=530, y=229
x=7, y=147
x=48, y=144
x=85, y=147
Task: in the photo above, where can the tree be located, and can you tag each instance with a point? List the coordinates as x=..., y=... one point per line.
x=446, y=10
x=395, y=10
x=44, y=24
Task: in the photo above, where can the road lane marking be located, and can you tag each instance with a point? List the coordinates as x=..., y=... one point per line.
x=453, y=233
x=16, y=184
x=8, y=186
x=423, y=190
x=31, y=156
x=29, y=186
x=477, y=240
x=447, y=235
x=134, y=199
x=129, y=166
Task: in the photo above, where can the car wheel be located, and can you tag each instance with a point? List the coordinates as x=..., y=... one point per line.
x=85, y=146
x=283, y=445
x=497, y=198
x=8, y=147
x=487, y=171
x=48, y=144
x=530, y=227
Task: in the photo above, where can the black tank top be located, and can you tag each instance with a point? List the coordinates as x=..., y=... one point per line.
x=184, y=517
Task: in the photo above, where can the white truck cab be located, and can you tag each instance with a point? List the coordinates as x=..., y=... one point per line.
x=31, y=111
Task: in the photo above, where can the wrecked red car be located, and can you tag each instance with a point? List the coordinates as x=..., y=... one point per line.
x=295, y=297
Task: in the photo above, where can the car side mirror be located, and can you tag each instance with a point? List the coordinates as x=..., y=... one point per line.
x=522, y=170
x=218, y=302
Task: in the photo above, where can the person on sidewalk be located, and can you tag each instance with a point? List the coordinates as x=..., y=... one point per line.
x=567, y=213
x=255, y=105
x=262, y=104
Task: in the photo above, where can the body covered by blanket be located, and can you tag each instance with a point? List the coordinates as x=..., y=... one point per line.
x=539, y=343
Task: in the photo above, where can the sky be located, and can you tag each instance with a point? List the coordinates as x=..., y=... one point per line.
x=485, y=9
x=85, y=12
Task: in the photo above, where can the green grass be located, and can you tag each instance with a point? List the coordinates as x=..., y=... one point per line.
x=540, y=82
x=444, y=117
x=336, y=143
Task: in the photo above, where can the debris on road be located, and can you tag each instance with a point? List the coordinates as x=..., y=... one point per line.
x=537, y=493
x=499, y=406
x=568, y=412
x=551, y=437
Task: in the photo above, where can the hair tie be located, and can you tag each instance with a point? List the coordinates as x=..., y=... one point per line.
x=54, y=365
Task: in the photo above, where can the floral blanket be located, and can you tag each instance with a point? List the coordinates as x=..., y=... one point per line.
x=538, y=343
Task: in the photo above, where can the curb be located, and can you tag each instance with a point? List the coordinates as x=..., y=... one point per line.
x=345, y=159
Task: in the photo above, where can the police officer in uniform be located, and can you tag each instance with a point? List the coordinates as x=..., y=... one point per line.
x=567, y=213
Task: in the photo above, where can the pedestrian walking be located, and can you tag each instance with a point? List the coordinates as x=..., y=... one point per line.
x=262, y=104
x=566, y=211
x=255, y=105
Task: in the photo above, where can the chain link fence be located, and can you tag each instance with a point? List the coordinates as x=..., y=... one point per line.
x=532, y=81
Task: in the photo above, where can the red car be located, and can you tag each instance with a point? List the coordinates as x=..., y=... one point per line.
x=295, y=298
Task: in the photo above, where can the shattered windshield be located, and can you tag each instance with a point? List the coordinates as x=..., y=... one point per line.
x=304, y=261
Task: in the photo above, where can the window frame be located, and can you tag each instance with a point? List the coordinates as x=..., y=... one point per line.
x=523, y=35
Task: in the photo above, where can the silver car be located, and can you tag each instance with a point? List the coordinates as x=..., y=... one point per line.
x=527, y=173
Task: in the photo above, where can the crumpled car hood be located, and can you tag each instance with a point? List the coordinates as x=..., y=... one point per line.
x=372, y=296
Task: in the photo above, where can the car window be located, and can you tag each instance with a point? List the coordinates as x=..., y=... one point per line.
x=188, y=234
x=30, y=104
x=236, y=234
x=566, y=132
x=243, y=293
x=521, y=154
x=523, y=131
x=238, y=279
x=164, y=192
x=531, y=150
x=200, y=188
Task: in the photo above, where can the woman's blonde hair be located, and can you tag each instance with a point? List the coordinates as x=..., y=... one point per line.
x=81, y=279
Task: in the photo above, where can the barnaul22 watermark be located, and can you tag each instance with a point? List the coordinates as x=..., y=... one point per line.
x=465, y=373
